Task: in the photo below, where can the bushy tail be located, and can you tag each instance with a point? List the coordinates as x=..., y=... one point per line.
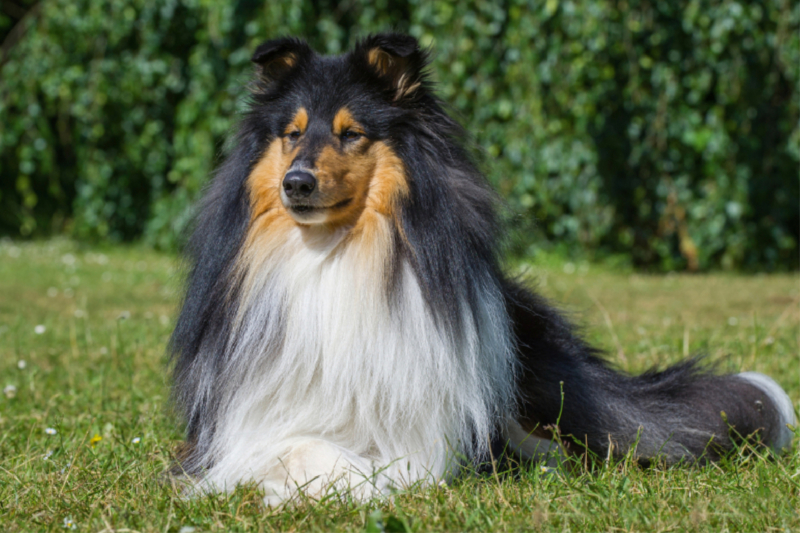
x=685, y=412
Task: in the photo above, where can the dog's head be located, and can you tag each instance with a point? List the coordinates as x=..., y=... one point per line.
x=332, y=123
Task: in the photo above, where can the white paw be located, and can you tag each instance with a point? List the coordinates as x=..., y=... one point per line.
x=317, y=468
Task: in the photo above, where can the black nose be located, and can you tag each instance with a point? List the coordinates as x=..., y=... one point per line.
x=299, y=184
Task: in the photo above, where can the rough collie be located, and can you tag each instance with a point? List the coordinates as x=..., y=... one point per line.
x=347, y=325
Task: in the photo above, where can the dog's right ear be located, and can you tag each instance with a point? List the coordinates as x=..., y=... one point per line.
x=397, y=59
x=275, y=58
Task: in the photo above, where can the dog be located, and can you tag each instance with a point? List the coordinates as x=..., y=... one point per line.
x=347, y=326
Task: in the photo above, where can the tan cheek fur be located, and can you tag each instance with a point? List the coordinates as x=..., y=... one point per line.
x=270, y=222
x=388, y=186
x=375, y=180
x=264, y=182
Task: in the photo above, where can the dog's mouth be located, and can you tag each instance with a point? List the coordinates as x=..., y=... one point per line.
x=303, y=209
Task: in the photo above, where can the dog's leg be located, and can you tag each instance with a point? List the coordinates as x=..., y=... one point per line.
x=681, y=413
x=316, y=467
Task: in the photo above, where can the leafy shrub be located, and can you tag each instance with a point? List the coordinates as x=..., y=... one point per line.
x=667, y=131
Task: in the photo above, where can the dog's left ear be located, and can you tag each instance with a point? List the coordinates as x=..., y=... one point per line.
x=397, y=59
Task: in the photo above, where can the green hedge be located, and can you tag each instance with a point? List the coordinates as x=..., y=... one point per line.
x=665, y=131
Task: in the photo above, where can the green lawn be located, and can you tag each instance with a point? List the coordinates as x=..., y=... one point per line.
x=86, y=434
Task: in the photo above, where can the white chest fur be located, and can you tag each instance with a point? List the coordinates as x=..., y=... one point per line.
x=322, y=351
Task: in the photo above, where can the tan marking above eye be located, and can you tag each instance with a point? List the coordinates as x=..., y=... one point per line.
x=298, y=123
x=344, y=121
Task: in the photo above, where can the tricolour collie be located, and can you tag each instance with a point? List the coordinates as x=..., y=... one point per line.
x=347, y=324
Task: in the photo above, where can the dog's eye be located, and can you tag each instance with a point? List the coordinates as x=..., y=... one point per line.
x=350, y=135
x=293, y=135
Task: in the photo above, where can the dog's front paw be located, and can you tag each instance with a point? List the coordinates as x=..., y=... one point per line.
x=276, y=493
x=315, y=468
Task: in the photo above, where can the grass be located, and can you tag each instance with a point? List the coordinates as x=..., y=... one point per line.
x=82, y=338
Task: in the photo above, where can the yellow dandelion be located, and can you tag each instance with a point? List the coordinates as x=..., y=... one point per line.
x=97, y=438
